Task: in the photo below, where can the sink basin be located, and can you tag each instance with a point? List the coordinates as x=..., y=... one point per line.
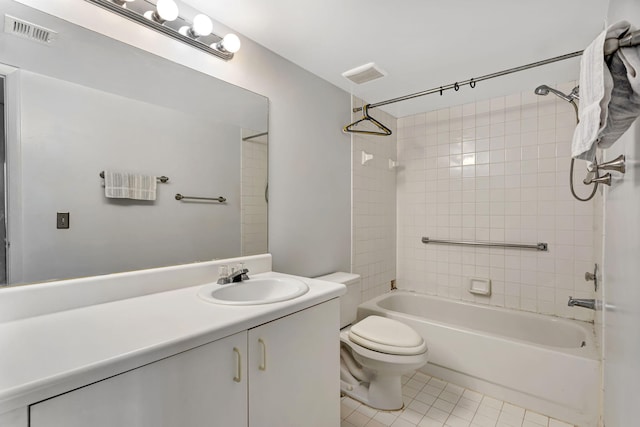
x=254, y=291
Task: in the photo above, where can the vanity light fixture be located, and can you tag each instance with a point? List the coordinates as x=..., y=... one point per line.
x=165, y=19
x=122, y=3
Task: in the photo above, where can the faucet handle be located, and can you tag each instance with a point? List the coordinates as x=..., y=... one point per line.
x=593, y=177
x=592, y=277
x=223, y=270
x=223, y=274
x=244, y=271
x=617, y=164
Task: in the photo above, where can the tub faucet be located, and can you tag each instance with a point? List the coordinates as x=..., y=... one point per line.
x=581, y=302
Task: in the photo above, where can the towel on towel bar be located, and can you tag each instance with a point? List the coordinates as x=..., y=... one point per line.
x=609, y=93
x=122, y=185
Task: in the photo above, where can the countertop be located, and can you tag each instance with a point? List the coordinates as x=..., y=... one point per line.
x=50, y=354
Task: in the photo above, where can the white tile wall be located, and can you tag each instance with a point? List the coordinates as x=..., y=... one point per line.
x=254, y=205
x=374, y=207
x=495, y=170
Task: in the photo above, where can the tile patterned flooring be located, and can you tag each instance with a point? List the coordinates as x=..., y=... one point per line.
x=430, y=402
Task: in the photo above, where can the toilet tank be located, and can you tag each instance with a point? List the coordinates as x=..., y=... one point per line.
x=348, y=302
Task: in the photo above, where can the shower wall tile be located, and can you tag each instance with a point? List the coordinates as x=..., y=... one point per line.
x=496, y=170
x=254, y=200
x=374, y=205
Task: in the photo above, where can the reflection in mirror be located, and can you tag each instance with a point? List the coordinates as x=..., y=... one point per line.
x=3, y=228
x=86, y=104
x=254, y=192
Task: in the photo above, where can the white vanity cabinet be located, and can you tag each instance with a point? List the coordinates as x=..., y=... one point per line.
x=284, y=373
x=294, y=370
x=189, y=389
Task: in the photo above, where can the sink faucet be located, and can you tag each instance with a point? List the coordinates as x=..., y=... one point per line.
x=239, y=275
x=236, y=276
x=580, y=302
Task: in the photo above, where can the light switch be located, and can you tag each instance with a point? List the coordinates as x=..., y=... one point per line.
x=63, y=220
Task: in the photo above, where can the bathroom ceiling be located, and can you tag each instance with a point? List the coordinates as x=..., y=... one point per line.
x=420, y=44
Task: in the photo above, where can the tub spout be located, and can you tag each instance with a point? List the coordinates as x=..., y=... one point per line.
x=581, y=302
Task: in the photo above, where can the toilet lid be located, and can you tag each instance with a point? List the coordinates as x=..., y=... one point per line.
x=387, y=336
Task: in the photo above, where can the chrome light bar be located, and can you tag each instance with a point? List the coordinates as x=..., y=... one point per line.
x=134, y=13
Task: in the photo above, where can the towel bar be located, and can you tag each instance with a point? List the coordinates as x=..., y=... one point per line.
x=163, y=179
x=215, y=199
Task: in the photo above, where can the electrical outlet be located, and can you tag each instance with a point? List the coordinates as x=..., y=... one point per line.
x=62, y=220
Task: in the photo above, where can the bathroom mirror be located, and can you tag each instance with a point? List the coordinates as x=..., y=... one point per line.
x=85, y=103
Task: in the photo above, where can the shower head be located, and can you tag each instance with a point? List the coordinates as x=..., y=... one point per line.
x=571, y=98
x=544, y=90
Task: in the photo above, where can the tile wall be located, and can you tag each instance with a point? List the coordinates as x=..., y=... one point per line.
x=495, y=170
x=254, y=204
x=374, y=207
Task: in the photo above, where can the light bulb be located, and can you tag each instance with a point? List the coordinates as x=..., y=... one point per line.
x=167, y=10
x=230, y=43
x=202, y=26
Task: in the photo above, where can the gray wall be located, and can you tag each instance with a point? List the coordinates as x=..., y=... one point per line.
x=3, y=258
x=621, y=268
x=309, y=157
x=69, y=133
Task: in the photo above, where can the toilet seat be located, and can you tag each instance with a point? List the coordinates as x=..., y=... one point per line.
x=387, y=336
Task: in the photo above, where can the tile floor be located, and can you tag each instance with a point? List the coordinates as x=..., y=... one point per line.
x=430, y=402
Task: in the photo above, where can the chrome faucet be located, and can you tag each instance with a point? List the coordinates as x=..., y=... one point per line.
x=236, y=276
x=239, y=275
x=581, y=302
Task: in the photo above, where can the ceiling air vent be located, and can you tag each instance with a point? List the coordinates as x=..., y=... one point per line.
x=28, y=30
x=364, y=73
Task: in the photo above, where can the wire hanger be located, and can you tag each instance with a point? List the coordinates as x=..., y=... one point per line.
x=365, y=111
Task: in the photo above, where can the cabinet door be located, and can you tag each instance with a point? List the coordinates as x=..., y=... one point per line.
x=294, y=370
x=205, y=386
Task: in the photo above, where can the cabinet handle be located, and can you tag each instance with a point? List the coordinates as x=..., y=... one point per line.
x=238, y=377
x=263, y=365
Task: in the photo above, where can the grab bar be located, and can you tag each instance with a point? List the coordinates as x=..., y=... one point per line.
x=537, y=246
x=215, y=199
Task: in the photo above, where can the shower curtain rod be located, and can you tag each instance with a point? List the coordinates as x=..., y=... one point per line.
x=610, y=46
x=472, y=82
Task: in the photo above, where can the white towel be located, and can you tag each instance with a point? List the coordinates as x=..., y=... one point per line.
x=609, y=94
x=122, y=185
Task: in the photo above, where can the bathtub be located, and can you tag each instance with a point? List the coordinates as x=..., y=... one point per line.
x=546, y=364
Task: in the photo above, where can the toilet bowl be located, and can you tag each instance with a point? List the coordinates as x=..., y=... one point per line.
x=374, y=352
x=383, y=350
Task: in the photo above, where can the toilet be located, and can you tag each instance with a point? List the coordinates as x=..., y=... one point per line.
x=374, y=352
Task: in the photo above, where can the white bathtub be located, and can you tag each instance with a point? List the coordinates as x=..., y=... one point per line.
x=543, y=363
